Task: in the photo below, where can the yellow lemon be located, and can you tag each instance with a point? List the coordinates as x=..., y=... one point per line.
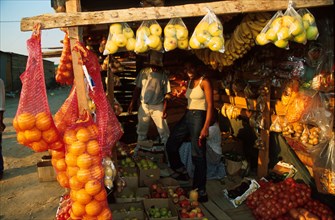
x=281, y=43
x=261, y=39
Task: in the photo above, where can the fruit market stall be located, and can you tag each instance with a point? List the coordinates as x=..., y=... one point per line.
x=252, y=50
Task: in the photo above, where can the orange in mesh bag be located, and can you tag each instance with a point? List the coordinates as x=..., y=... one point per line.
x=33, y=120
x=65, y=73
x=68, y=112
x=110, y=130
x=85, y=171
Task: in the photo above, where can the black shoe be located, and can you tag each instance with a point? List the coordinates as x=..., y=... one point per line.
x=1, y=175
x=203, y=197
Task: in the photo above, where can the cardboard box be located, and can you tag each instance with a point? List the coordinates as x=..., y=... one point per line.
x=240, y=199
x=148, y=174
x=45, y=171
x=128, y=210
x=131, y=180
x=132, y=195
x=161, y=203
x=285, y=169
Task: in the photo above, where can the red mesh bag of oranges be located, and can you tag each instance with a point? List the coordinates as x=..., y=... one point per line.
x=110, y=130
x=64, y=74
x=68, y=113
x=85, y=171
x=33, y=121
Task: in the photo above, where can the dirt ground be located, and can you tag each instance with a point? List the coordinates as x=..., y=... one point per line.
x=22, y=196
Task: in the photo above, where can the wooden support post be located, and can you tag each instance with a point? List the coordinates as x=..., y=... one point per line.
x=263, y=155
x=75, y=35
x=110, y=83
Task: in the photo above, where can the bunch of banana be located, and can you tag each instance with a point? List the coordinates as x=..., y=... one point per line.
x=243, y=37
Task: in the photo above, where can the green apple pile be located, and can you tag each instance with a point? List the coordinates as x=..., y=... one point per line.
x=145, y=164
x=126, y=210
x=127, y=162
x=208, y=35
x=155, y=212
x=120, y=36
x=128, y=174
x=175, y=36
x=148, y=37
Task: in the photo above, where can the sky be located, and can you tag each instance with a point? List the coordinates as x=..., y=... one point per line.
x=12, y=39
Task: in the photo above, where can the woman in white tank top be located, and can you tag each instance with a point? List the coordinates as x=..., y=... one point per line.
x=193, y=125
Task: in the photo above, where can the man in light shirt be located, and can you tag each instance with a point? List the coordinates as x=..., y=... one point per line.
x=152, y=89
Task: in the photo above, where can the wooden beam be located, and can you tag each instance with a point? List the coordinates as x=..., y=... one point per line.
x=75, y=36
x=73, y=18
x=51, y=54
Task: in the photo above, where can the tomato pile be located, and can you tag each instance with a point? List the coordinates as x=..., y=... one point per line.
x=276, y=199
x=319, y=209
x=63, y=212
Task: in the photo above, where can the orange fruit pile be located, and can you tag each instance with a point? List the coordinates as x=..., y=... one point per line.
x=37, y=131
x=85, y=172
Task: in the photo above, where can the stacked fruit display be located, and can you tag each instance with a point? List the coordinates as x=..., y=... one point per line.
x=155, y=212
x=37, y=131
x=120, y=37
x=148, y=37
x=146, y=164
x=175, y=35
x=208, y=34
x=85, y=173
x=190, y=209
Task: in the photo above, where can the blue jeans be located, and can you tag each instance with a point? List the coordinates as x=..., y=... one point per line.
x=189, y=126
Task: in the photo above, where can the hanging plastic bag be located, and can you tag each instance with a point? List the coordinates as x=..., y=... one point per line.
x=64, y=74
x=148, y=37
x=120, y=38
x=319, y=116
x=110, y=130
x=208, y=34
x=269, y=32
x=312, y=32
x=85, y=170
x=33, y=120
x=295, y=28
x=324, y=168
x=175, y=35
